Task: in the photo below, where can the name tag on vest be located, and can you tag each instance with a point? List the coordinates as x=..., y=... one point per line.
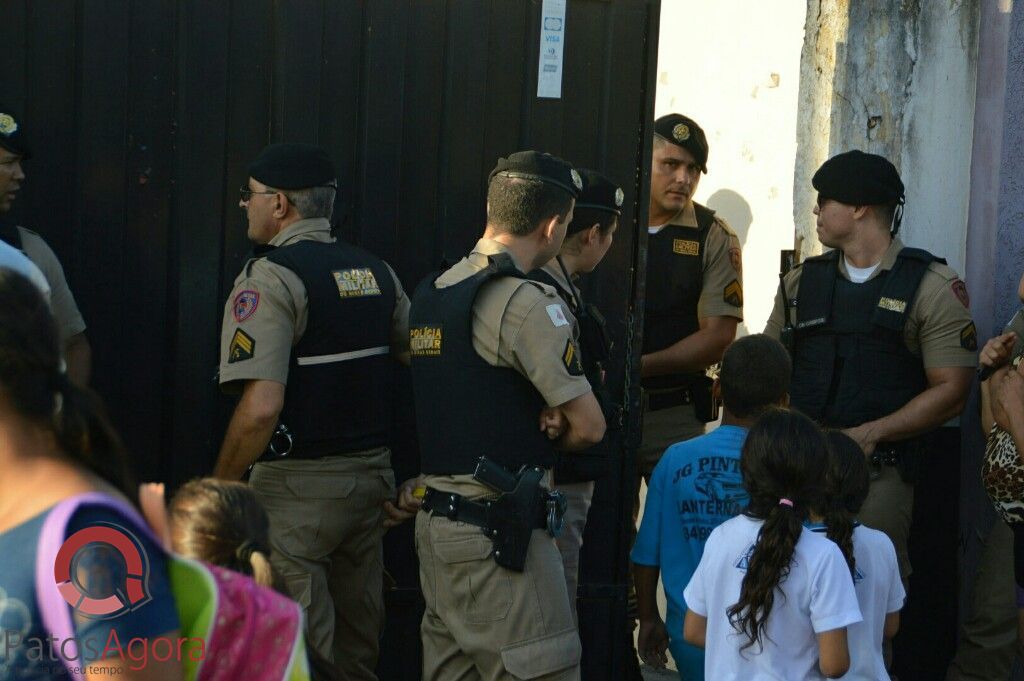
x=685, y=247
x=892, y=304
x=425, y=341
x=356, y=282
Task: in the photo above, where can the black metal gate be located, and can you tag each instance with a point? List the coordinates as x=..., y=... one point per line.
x=144, y=114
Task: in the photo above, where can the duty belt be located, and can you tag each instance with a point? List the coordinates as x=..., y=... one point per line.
x=464, y=510
x=670, y=398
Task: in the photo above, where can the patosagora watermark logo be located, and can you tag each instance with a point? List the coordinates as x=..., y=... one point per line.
x=82, y=546
x=103, y=572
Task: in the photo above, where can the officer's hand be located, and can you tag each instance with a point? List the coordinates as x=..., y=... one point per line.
x=997, y=351
x=553, y=422
x=864, y=436
x=652, y=642
x=406, y=505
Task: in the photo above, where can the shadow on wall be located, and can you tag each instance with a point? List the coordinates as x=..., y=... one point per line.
x=734, y=208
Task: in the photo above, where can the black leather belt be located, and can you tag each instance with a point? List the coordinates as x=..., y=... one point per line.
x=460, y=509
x=668, y=399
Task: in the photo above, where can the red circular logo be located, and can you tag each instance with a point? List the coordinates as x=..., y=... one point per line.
x=120, y=598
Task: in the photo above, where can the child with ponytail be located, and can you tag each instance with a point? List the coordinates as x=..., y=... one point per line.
x=869, y=553
x=770, y=598
x=222, y=522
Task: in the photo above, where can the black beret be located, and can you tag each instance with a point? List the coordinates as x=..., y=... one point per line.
x=534, y=165
x=859, y=179
x=599, y=193
x=293, y=166
x=684, y=132
x=12, y=134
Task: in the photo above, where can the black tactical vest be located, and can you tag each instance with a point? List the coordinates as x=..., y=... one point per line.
x=339, y=394
x=851, y=364
x=595, y=351
x=675, y=277
x=466, y=408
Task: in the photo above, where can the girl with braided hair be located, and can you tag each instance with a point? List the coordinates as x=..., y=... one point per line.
x=869, y=553
x=770, y=598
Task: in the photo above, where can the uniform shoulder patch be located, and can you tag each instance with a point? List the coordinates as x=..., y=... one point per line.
x=557, y=315
x=571, y=359
x=243, y=347
x=685, y=247
x=733, y=293
x=736, y=258
x=245, y=304
x=356, y=282
x=425, y=340
x=969, y=337
x=960, y=291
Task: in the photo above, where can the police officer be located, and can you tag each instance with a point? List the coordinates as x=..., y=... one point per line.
x=309, y=330
x=14, y=150
x=883, y=347
x=496, y=371
x=587, y=240
x=694, y=296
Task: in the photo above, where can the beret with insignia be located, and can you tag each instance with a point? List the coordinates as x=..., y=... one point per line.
x=12, y=133
x=293, y=166
x=534, y=165
x=599, y=193
x=684, y=132
x=859, y=179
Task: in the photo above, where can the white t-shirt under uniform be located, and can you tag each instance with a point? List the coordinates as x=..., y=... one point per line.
x=818, y=596
x=879, y=592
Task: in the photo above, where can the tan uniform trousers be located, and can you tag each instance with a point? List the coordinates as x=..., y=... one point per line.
x=326, y=527
x=988, y=639
x=578, y=496
x=662, y=429
x=484, y=622
x=890, y=508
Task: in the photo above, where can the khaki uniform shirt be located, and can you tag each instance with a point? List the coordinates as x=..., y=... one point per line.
x=722, y=263
x=277, y=319
x=522, y=325
x=62, y=302
x=555, y=270
x=938, y=328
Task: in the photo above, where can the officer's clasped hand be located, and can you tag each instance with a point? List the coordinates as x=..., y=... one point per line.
x=406, y=505
x=553, y=422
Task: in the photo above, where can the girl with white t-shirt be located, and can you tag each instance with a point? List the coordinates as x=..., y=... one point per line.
x=771, y=599
x=870, y=555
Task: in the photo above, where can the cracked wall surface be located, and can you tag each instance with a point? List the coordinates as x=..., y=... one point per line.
x=896, y=78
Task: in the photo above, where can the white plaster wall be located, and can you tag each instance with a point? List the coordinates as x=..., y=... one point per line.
x=734, y=67
x=938, y=131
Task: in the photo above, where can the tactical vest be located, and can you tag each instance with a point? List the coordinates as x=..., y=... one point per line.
x=466, y=408
x=340, y=379
x=851, y=364
x=11, y=235
x=595, y=351
x=675, y=277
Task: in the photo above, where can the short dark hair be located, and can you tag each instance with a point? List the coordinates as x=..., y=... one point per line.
x=585, y=218
x=517, y=205
x=755, y=375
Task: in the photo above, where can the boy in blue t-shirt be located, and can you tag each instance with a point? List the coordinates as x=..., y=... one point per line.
x=697, y=486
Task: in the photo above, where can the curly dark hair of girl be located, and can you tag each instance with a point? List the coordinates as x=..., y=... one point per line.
x=846, y=487
x=783, y=465
x=223, y=523
x=33, y=383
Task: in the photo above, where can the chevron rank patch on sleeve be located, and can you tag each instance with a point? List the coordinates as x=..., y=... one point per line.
x=242, y=347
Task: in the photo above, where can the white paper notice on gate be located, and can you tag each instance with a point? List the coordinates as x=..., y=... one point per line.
x=552, y=43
